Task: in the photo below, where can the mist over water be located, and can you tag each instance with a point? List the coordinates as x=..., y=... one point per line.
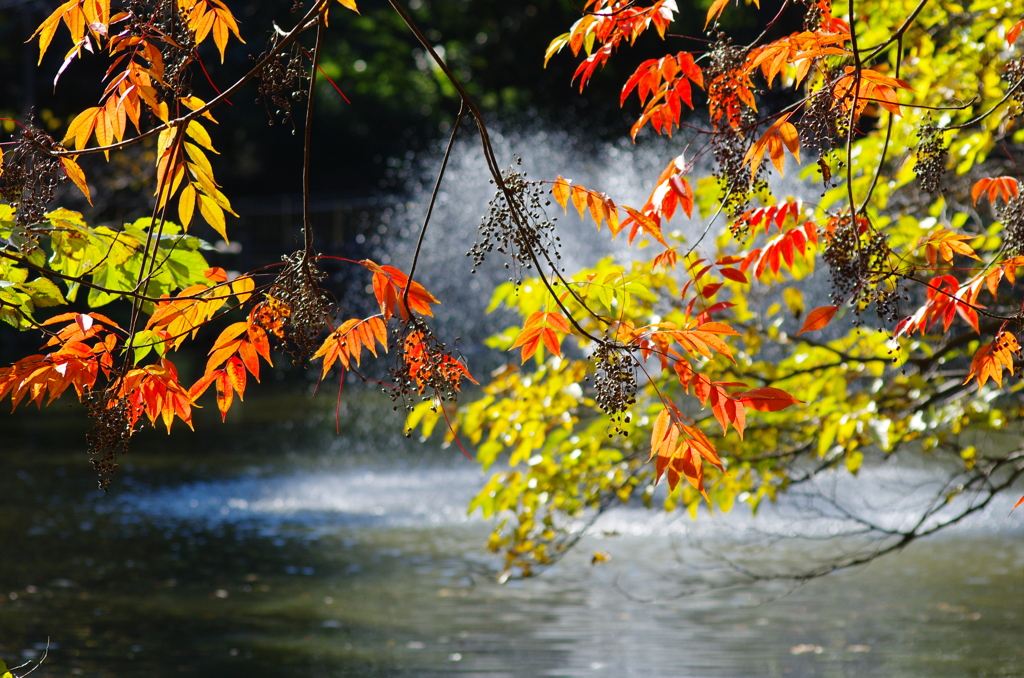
x=624, y=171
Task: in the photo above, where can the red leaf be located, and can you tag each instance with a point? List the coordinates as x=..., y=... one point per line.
x=766, y=399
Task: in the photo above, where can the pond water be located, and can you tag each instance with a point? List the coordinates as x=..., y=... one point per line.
x=268, y=547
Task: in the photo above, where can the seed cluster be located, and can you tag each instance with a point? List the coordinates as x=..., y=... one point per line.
x=110, y=433
x=731, y=116
x=820, y=124
x=1012, y=216
x=932, y=155
x=30, y=176
x=855, y=254
x=1013, y=72
x=164, y=21
x=517, y=225
x=813, y=15
x=300, y=304
x=614, y=381
x=282, y=82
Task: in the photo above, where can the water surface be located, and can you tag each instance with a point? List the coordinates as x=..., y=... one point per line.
x=272, y=547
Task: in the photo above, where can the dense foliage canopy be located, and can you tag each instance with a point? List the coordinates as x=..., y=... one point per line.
x=713, y=363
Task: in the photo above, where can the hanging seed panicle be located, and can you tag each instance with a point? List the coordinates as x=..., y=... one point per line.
x=614, y=380
x=1012, y=216
x=855, y=254
x=30, y=176
x=517, y=225
x=425, y=369
x=731, y=116
x=1013, y=73
x=820, y=124
x=165, y=22
x=887, y=305
x=282, y=83
x=735, y=183
x=932, y=155
x=296, y=308
x=110, y=433
x=813, y=15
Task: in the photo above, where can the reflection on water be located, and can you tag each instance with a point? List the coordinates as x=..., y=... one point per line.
x=288, y=554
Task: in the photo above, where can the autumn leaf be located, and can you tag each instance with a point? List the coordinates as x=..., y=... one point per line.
x=781, y=134
x=541, y=328
x=766, y=399
x=562, y=191
x=818, y=319
x=715, y=11
x=867, y=86
x=389, y=287
x=991, y=359
x=75, y=173
x=944, y=243
x=995, y=188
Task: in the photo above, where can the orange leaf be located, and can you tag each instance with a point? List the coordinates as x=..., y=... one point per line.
x=224, y=394
x=236, y=375
x=561, y=190
x=715, y=11
x=818, y=318
x=994, y=188
x=76, y=175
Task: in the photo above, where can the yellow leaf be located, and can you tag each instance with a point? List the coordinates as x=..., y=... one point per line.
x=186, y=205
x=556, y=46
x=213, y=214
x=242, y=288
x=350, y=4
x=196, y=130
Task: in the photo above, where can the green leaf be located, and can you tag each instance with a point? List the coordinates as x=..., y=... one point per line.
x=44, y=293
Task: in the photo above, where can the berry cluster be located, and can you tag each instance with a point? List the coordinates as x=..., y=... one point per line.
x=820, y=122
x=1012, y=216
x=932, y=155
x=731, y=116
x=282, y=82
x=300, y=304
x=110, y=433
x=813, y=15
x=614, y=381
x=517, y=225
x=30, y=176
x=855, y=254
